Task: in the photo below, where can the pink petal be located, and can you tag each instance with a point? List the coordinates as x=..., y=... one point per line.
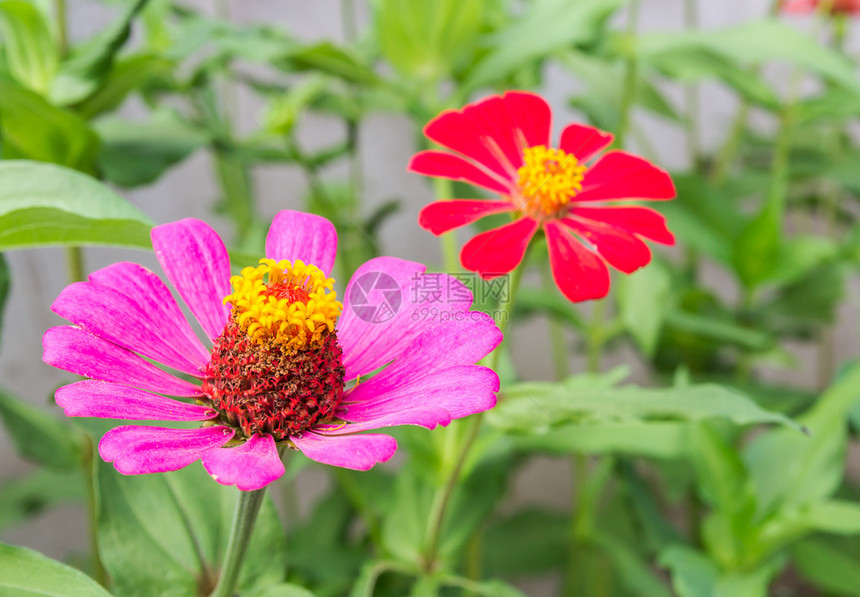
x=637, y=220
x=621, y=249
x=249, y=467
x=498, y=251
x=139, y=450
x=115, y=401
x=150, y=295
x=298, y=235
x=114, y=316
x=429, y=418
x=463, y=342
x=195, y=260
x=584, y=141
x=454, y=392
x=620, y=175
x=441, y=216
x=578, y=273
x=357, y=452
x=79, y=352
x=442, y=164
x=369, y=343
x=532, y=116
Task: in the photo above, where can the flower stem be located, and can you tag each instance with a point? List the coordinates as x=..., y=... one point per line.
x=247, y=508
x=62, y=30
x=443, y=495
x=75, y=263
x=88, y=465
x=445, y=190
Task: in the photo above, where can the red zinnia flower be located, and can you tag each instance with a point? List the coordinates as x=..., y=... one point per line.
x=808, y=6
x=502, y=144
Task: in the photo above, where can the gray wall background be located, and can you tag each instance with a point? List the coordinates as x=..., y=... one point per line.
x=387, y=143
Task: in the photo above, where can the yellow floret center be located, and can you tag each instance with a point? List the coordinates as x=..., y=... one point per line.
x=288, y=303
x=548, y=180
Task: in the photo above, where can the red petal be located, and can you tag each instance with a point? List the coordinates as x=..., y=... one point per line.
x=578, y=273
x=584, y=141
x=620, y=175
x=448, y=165
x=621, y=249
x=441, y=216
x=532, y=116
x=639, y=220
x=498, y=251
x=495, y=130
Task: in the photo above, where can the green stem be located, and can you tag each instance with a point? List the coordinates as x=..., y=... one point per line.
x=247, y=507
x=436, y=519
x=62, y=29
x=631, y=77
x=88, y=465
x=445, y=190
x=560, y=357
x=75, y=263
x=691, y=123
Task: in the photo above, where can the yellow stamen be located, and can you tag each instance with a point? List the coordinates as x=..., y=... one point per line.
x=549, y=179
x=291, y=304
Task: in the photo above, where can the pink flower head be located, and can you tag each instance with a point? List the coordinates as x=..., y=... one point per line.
x=502, y=144
x=800, y=7
x=288, y=364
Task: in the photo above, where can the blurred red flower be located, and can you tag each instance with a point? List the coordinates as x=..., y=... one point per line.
x=502, y=144
x=808, y=6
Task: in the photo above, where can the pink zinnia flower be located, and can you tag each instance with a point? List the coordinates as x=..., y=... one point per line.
x=502, y=144
x=848, y=7
x=285, y=365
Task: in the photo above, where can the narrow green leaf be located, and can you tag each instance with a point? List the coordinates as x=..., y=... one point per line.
x=549, y=25
x=830, y=564
x=48, y=205
x=89, y=64
x=329, y=58
x=26, y=573
x=31, y=128
x=125, y=76
x=31, y=52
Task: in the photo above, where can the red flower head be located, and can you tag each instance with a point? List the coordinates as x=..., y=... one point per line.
x=847, y=7
x=502, y=144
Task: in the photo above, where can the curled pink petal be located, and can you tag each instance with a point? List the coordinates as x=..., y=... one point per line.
x=116, y=401
x=249, y=467
x=358, y=452
x=195, y=260
x=298, y=235
x=140, y=450
x=79, y=352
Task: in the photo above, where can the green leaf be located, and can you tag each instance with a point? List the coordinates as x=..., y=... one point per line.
x=31, y=52
x=24, y=572
x=830, y=564
x=125, y=76
x=39, y=435
x=281, y=590
x=631, y=569
x=755, y=43
x=790, y=470
x=27, y=496
x=693, y=575
x=654, y=439
x=756, y=250
x=89, y=64
x=47, y=205
x=427, y=39
x=528, y=542
x=31, y=128
x=138, y=153
x=549, y=25
x=166, y=534
x=329, y=58
x=643, y=301
x=537, y=405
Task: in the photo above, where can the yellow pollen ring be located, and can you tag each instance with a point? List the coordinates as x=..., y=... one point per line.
x=548, y=180
x=289, y=303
